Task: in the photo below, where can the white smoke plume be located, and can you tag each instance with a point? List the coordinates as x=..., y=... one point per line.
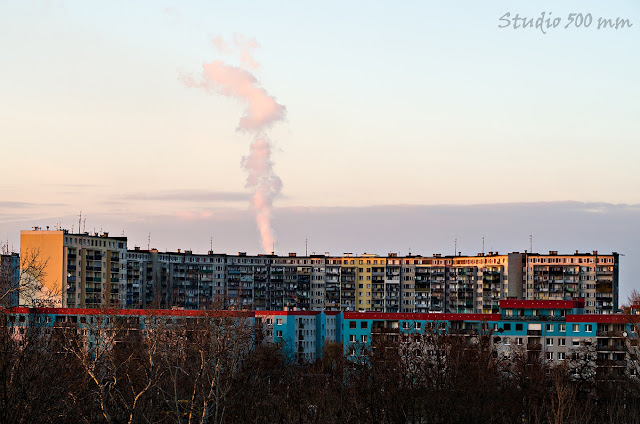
x=262, y=111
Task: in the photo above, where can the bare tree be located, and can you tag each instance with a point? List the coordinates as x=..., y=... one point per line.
x=22, y=281
x=37, y=379
x=121, y=360
x=208, y=354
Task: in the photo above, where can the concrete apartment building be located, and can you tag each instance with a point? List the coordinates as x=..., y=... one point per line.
x=591, y=276
x=555, y=331
x=9, y=278
x=86, y=270
x=82, y=270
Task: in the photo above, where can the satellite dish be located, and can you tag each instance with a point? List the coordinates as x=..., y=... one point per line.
x=624, y=334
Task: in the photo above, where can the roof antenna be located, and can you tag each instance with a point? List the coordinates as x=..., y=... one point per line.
x=211, y=241
x=149, y=241
x=531, y=243
x=483, y=245
x=455, y=246
x=305, y=247
x=80, y=221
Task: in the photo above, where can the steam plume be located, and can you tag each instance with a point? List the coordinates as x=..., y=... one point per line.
x=261, y=113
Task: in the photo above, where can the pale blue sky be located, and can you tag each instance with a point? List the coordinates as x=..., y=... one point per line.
x=388, y=103
x=428, y=93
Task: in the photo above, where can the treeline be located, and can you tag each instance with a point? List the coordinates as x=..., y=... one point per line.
x=217, y=371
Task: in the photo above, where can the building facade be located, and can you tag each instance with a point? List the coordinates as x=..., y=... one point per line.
x=81, y=270
x=9, y=279
x=555, y=331
x=89, y=270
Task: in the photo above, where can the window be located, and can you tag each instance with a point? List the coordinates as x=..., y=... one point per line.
x=575, y=342
x=352, y=324
x=518, y=327
x=363, y=324
x=550, y=356
x=507, y=341
x=549, y=327
x=364, y=338
x=278, y=321
x=588, y=328
x=405, y=325
x=562, y=328
x=507, y=327
x=561, y=342
x=576, y=328
x=549, y=342
x=279, y=333
x=418, y=325
x=561, y=356
x=352, y=338
x=519, y=341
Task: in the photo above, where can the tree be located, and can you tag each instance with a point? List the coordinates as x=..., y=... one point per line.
x=207, y=354
x=22, y=281
x=37, y=379
x=121, y=360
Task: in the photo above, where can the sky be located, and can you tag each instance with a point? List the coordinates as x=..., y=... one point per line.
x=425, y=114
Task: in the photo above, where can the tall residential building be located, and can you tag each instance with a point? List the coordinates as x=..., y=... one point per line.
x=591, y=276
x=89, y=270
x=554, y=331
x=9, y=279
x=81, y=270
x=175, y=279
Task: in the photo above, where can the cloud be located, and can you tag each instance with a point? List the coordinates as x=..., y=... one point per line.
x=75, y=185
x=173, y=13
x=424, y=229
x=261, y=112
x=243, y=46
x=26, y=205
x=194, y=216
x=189, y=196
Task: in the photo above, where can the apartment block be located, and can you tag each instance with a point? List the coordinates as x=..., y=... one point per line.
x=170, y=279
x=591, y=276
x=81, y=270
x=9, y=279
x=86, y=270
x=555, y=331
